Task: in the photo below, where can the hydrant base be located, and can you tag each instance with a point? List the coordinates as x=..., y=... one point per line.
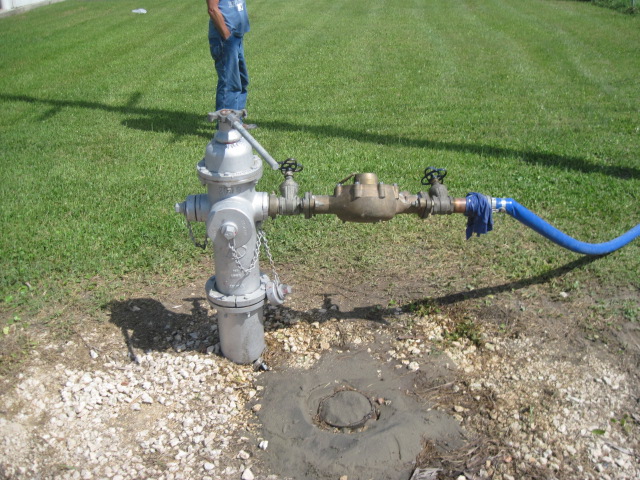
x=240, y=323
x=241, y=334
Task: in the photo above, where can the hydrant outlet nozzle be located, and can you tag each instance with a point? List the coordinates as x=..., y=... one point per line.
x=276, y=292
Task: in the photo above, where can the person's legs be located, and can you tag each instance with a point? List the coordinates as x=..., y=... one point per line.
x=231, y=91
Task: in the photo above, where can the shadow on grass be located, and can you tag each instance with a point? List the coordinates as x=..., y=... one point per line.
x=506, y=287
x=148, y=119
x=380, y=314
x=540, y=158
x=185, y=123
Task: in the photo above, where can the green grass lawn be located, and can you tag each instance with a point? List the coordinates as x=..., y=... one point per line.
x=103, y=120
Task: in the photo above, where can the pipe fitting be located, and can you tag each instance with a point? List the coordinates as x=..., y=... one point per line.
x=368, y=201
x=276, y=291
x=288, y=203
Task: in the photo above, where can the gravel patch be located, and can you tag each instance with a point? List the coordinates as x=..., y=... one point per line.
x=530, y=409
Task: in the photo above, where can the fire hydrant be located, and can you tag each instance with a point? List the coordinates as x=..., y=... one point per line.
x=233, y=212
x=232, y=209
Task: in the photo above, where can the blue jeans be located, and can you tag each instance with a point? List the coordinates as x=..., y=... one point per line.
x=233, y=77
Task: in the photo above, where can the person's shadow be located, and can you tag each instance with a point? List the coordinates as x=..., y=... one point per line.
x=181, y=123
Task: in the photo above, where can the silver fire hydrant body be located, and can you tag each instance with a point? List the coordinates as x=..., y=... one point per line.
x=232, y=209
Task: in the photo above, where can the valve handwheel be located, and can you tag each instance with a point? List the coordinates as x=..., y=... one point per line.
x=432, y=174
x=290, y=165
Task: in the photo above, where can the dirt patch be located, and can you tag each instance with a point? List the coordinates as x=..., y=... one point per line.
x=386, y=424
x=540, y=383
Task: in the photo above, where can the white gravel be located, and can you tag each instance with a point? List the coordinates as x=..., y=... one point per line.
x=185, y=415
x=171, y=416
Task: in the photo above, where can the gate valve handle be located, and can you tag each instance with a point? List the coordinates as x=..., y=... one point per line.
x=290, y=166
x=433, y=174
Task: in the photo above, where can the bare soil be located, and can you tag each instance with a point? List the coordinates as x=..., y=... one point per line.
x=543, y=383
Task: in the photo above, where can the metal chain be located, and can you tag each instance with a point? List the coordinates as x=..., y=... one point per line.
x=261, y=240
x=193, y=237
x=237, y=258
x=276, y=277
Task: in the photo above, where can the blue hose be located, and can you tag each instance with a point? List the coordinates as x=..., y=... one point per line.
x=476, y=202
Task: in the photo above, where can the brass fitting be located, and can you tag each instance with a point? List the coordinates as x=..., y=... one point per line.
x=367, y=200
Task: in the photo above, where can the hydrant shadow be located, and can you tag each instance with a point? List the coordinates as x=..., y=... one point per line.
x=148, y=325
x=331, y=309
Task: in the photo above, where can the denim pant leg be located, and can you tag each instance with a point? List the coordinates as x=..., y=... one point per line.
x=244, y=76
x=231, y=67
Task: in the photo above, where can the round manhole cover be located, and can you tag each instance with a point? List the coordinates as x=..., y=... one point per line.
x=346, y=409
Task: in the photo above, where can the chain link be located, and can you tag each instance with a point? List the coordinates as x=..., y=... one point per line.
x=193, y=237
x=276, y=277
x=261, y=240
x=236, y=258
